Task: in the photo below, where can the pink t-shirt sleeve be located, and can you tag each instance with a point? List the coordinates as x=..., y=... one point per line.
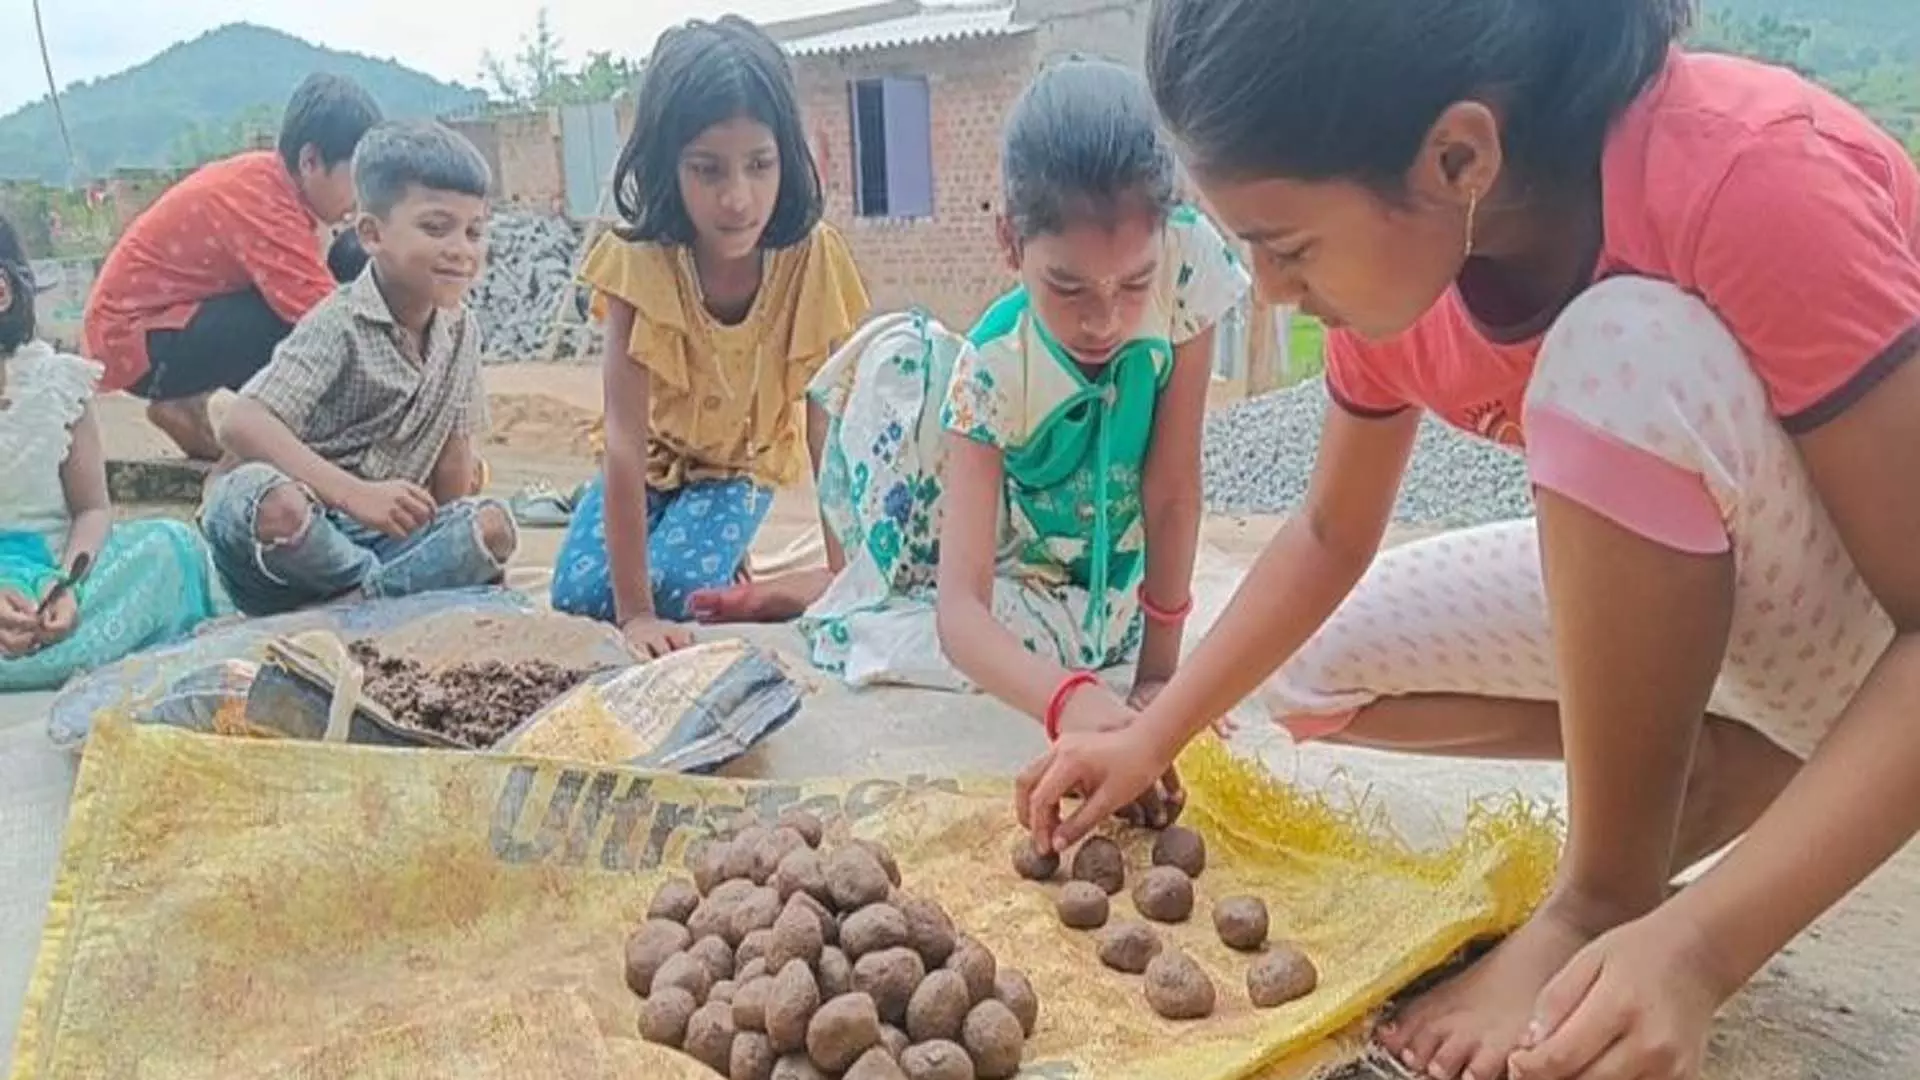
x=1353, y=379
x=1807, y=255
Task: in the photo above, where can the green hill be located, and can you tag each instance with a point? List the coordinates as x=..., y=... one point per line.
x=1845, y=33
x=1867, y=50
x=192, y=100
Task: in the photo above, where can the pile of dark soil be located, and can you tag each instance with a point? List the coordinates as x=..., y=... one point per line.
x=473, y=704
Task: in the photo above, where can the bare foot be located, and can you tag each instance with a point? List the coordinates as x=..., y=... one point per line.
x=775, y=599
x=187, y=423
x=1465, y=1028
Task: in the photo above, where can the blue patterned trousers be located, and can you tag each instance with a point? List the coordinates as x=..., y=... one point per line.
x=697, y=538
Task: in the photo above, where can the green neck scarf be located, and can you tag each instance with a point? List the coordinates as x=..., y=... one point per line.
x=1107, y=421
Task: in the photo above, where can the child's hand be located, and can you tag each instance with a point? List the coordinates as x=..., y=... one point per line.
x=1108, y=769
x=59, y=620
x=1637, y=1002
x=651, y=637
x=19, y=624
x=393, y=508
x=1094, y=709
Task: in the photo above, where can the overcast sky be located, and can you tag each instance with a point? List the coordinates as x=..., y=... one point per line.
x=444, y=38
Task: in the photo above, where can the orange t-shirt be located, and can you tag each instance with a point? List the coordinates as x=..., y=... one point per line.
x=1781, y=206
x=231, y=226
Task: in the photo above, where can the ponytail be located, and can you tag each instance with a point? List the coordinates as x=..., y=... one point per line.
x=1083, y=139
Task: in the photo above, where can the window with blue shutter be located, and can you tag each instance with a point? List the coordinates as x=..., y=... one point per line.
x=892, y=148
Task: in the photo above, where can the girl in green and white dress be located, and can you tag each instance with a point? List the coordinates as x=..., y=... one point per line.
x=1019, y=507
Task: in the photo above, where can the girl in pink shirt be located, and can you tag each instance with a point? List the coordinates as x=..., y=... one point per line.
x=1687, y=288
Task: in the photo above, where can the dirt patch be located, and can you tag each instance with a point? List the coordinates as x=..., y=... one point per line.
x=541, y=424
x=463, y=637
x=472, y=703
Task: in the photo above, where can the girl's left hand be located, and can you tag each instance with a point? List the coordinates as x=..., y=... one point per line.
x=1637, y=1004
x=60, y=619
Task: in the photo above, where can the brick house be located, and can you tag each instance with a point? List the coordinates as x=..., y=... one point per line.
x=905, y=101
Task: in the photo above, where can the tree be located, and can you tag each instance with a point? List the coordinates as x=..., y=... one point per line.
x=534, y=72
x=605, y=76
x=537, y=75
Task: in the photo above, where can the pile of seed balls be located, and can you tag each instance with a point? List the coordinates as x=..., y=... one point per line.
x=782, y=961
x=1176, y=986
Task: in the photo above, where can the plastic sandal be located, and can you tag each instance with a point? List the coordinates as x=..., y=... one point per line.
x=541, y=507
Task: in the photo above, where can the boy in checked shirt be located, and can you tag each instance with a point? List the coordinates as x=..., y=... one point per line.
x=351, y=465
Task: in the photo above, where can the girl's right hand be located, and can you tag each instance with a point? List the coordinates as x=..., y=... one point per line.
x=1096, y=709
x=19, y=624
x=1108, y=769
x=651, y=637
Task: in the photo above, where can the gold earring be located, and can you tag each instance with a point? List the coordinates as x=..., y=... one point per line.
x=1473, y=209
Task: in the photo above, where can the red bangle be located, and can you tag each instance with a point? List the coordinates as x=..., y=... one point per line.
x=1058, y=703
x=1165, y=616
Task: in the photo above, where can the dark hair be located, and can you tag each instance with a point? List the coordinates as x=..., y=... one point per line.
x=328, y=113
x=1323, y=89
x=403, y=154
x=17, y=321
x=702, y=74
x=346, y=257
x=1081, y=139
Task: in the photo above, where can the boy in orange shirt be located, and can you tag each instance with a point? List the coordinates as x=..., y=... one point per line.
x=202, y=286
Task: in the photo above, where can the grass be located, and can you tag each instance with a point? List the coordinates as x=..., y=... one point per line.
x=1306, y=349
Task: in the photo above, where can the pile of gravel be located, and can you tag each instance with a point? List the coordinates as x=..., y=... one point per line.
x=529, y=274
x=1258, y=457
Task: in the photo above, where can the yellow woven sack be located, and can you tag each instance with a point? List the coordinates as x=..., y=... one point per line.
x=248, y=909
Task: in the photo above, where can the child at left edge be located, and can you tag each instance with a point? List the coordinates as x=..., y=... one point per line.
x=722, y=294
x=351, y=467
x=77, y=590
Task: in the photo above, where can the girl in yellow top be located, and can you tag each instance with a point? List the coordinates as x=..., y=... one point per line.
x=722, y=294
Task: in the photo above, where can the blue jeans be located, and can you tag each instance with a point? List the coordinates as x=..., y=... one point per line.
x=335, y=555
x=697, y=538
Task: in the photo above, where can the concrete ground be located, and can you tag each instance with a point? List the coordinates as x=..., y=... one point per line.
x=1843, y=1003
